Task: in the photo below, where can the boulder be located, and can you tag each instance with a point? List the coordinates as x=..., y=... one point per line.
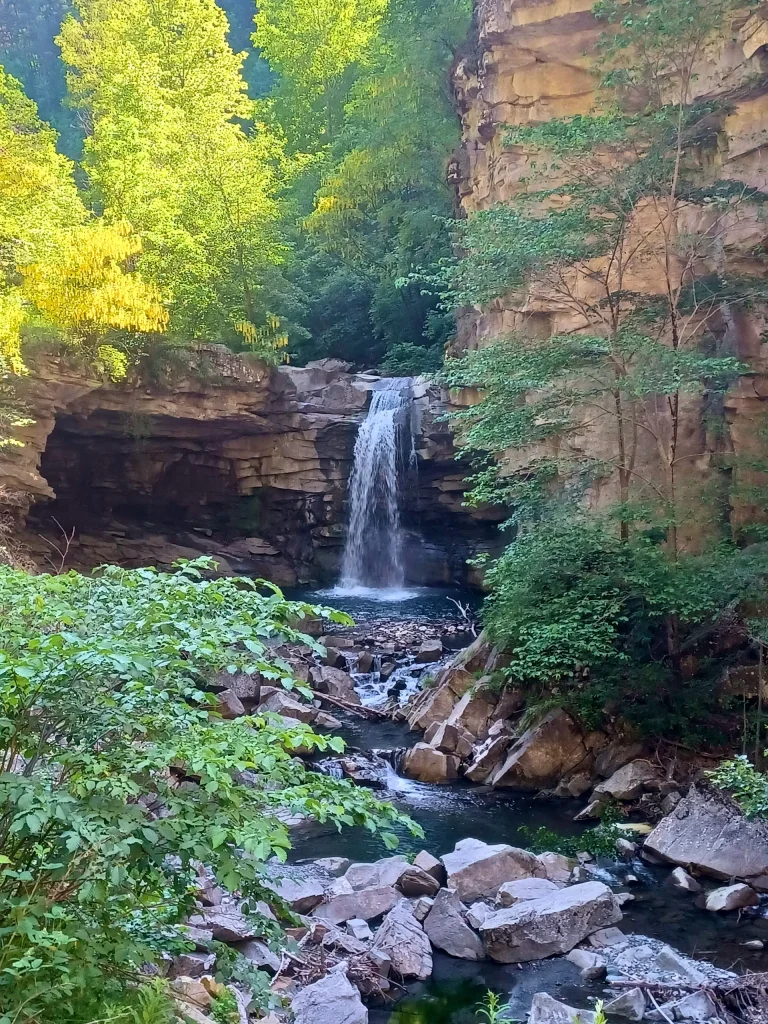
x=543, y=754
x=365, y=662
x=259, y=954
x=708, y=832
x=387, y=871
x=288, y=707
x=488, y=755
x=630, y=1004
x=359, y=930
x=557, y=868
x=475, y=869
x=426, y=764
x=472, y=713
x=615, y=756
x=682, y=880
x=630, y=781
x=332, y=1000
x=436, y=703
x=335, y=682
x=478, y=912
x=524, y=889
x=430, y=864
x=414, y=883
x=732, y=897
x=430, y=650
x=229, y=705
x=421, y=907
x=365, y=905
x=669, y=961
x=341, y=643
x=403, y=940
x=698, y=1007
x=550, y=925
x=191, y=965
x=447, y=930
x=225, y=923
x=546, y=1010
x=451, y=739
x=302, y=896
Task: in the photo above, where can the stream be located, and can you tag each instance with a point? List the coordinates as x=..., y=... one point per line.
x=449, y=813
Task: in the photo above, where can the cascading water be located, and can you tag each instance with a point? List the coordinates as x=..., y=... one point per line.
x=373, y=551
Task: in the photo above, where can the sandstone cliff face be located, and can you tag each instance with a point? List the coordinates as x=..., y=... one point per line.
x=532, y=61
x=229, y=458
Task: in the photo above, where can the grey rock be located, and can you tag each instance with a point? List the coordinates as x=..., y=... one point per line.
x=359, y=930
x=696, y=1006
x=682, y=880
x=524, y=889
x=551, y=925
x=334, y=682
x=259, y=954
x=447, y=930
x=732, y=897
x=191, y=965
x=583, y=958
x=630, y=781
x=422, y=907
x=669, y=961
x=404, y=941
x=630, y=1004
x=670, y=801
x=332, y=1000
x=365, y=905
x=708, y=832
x=475, y=869
x=430, y=864
x=430, y=650
x=281, y=704
x=478, y=912
x=546, y=1010
x=225, y=923
x=626, y=848
x=754, y=944
x=414, y=882
x=615, y=756
x=365, y=662
x=333, y=866
x=557, y=868
x=229, y=705
x=300, y=895
x=387, y=871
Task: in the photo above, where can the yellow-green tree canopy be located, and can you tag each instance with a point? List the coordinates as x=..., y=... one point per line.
x=170, y=151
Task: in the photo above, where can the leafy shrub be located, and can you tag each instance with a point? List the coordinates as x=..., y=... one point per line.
x=747, y=785
x=408, y=360
x=116, y=779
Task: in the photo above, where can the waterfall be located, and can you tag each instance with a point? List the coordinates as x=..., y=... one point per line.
x=373, y=551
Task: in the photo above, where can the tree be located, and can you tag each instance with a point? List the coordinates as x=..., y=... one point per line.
x=635, y=252
x=172, y=150
x=118, y=778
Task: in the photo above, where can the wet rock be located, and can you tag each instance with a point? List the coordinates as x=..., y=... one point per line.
x=451, y=739
x=359, y=930
x=756, y=944
x=557, y=868
x=365, y=662
x=259, y=954
x=387, y=871
x=191, y=965
x=414, y=883
x=302, y=896
x=430, y=864
x=524, y=889
x=229, y=705
x=447, y=930
x=732, y=897
x=334, y=682
x=630, y=781
x=325, y=721
x=708, y=832
x=546, y=1010
x=543, y=754
x=404, y=941
x=682, y=880
x=281, y=704
x=475, y=869
x=365, y=905
x=630, y=1004
x=430, y=650
x=626, y=849
x=332, y=1000
x=425, y=764
x=551, y=925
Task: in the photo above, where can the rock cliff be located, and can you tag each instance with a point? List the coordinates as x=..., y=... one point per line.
x=227, y=458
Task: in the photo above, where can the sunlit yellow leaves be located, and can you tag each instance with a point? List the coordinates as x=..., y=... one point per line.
x=85, y=286
x=11, y=319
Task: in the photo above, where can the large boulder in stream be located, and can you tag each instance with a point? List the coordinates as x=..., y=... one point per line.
x=707, y=832
x=360, y=906
x=332, y=1000
x=544, y=753
x=426, y=764
x=551, y=925
x=335, y=682
x=476, y=870
x=447, y=930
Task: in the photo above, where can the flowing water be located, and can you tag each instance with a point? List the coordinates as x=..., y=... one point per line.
x=372, y=563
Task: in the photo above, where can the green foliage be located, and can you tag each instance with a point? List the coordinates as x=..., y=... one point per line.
x=117, y=776
x=224, y=1008
x=406, y=360
x=493, y=1011
x=747, y=785
x=600, y=841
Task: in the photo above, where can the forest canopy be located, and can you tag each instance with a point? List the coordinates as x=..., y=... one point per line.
x=272, y=180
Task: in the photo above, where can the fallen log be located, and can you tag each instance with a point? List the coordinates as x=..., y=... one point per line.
x=356, y=709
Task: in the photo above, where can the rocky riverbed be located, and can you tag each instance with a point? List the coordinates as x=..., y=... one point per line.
x=664, y=928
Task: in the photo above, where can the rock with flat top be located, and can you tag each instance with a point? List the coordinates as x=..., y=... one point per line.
x=524, y=889
x=546, y=1010
x=669, y=961
x=430, y=650
x=557, y=867
x=430, y=864
x=335, y=682
x=259, y=954
x=302, y=896
x=476, y=870
x=333, y=866
x=478, y=912
x=447, y=930
x=550, y=925
x=414, y=883
x=281, y=704
x=404, y=941
x=359, y=930
x=365, y=905
x=631, y=781
x=732, y=897
x=387, y=871
x=425, y=764
x=332, y=1000
x=708, y=833
x=225, y=923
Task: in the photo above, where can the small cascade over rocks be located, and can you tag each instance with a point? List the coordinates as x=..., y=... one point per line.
x=373, y=553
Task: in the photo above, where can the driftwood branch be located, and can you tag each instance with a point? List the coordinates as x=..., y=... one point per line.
x=356, y=709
